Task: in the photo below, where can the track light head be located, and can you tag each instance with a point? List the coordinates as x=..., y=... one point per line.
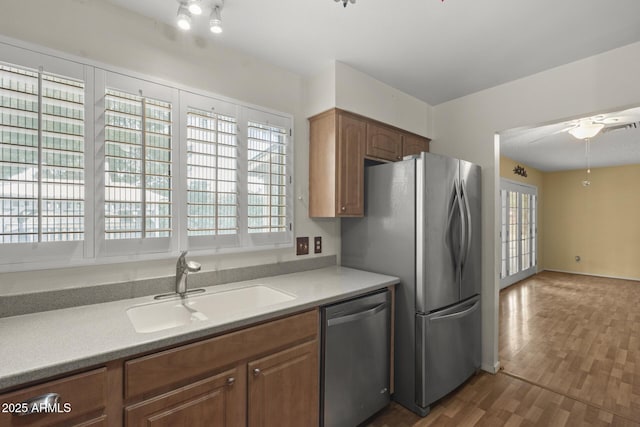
x=184, y=17
x=195, y=7
x=215, y=21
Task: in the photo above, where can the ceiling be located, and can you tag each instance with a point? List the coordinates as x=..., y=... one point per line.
x=550, y=147
x=434, y=50
x=438, y=51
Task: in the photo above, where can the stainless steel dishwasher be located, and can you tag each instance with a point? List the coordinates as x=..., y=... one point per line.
x=355, y=359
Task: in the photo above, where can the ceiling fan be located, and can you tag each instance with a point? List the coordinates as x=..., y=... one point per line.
x=587, y=127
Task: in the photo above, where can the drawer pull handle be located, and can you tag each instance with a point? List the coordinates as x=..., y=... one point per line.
x=231, y=381
x=343, y=208
x=256, y=372
x=34, y=404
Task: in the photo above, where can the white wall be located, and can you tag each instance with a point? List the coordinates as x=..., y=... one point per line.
x=320, y=91
x=349, y=89
x=466, y=127
x=102, y=32
x=362, y=94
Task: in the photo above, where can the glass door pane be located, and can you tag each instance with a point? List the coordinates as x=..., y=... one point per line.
x=518, y=232
x=513, y=234
x=503, y=233
x=525, y=231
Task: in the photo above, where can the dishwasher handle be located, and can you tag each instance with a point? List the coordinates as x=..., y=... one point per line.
x=358, y=315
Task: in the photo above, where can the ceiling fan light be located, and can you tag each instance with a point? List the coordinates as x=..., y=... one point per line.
x=184, y=18
x=586, y=130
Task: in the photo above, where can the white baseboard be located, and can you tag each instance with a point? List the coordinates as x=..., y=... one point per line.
x=582, y=273
x=492, y=369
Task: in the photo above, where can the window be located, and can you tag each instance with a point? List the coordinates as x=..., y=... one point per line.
x=238, y=179
x=137, y=166
x=212, y=167
x=267, y=149
x=42, y=156
x=269, y=174
x=166, y=169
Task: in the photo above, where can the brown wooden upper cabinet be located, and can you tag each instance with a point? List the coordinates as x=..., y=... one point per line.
x=336, y=164
x=339, y=142
x=413, y=144
x=383, y=142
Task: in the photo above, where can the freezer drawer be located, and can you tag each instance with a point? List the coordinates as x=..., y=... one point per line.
x=355, y=363
x=447, y=349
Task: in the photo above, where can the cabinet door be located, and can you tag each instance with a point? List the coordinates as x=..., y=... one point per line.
x=215, y=401
x=283, y=388
x=350, y=168
x=413, y=144
x=383, y=142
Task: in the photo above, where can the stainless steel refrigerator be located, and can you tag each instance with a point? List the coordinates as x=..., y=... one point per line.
x=422, y=224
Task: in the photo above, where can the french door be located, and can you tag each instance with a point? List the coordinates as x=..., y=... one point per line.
x=518, y=231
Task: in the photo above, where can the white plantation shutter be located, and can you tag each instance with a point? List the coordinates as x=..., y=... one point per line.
x=267, y=178
x=41, y=157
x=137, y=166
x=212, y=173
x=269, y=183
x=136, y=202
x=238, y=183
x=101, y=166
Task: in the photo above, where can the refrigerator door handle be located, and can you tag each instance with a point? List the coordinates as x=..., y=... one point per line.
x=469, y=231
x=453, y=202
x=458, y=314
x=463, y=227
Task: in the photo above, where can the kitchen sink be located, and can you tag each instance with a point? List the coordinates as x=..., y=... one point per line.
x=214, y=306
x=163, y=315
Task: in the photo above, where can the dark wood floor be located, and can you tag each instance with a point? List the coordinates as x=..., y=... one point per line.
x=570, y=355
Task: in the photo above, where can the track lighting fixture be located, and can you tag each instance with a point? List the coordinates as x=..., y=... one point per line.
x=344, y=2
x=215, y=21
x=184, y=17
x=189, y=8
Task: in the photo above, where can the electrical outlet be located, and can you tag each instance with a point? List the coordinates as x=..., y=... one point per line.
x=317, y=245
x=302, y=245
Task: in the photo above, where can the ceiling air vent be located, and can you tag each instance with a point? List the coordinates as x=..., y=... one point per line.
x=634, y=125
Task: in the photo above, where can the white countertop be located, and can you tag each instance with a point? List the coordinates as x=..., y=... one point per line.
x=40, y=345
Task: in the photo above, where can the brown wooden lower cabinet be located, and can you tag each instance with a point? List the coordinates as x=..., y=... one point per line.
x=262, y=375
x=82, y=402
x=283, y=388
x=216, y=401
x=98, y=422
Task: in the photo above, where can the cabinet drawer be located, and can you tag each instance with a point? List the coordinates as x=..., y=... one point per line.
x=82, y=396
x=159, y=372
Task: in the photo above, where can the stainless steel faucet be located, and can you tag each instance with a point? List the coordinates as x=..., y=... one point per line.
x=183, y=268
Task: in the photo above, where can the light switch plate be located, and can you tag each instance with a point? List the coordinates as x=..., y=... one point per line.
x=317, y=245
